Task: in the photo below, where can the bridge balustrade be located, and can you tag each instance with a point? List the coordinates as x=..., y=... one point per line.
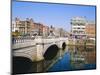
x=16, y=40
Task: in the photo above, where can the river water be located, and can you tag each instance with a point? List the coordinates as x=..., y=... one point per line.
x=76, y=58
x=71, y=59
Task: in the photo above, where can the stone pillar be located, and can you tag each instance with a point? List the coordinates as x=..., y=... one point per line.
x=39, y=48
x=60, y=43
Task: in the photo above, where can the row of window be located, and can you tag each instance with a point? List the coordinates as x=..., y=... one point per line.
x=79, y=32
x=78, y=24
x=79, y=28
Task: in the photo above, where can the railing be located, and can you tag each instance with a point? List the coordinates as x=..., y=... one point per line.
x=16, y=40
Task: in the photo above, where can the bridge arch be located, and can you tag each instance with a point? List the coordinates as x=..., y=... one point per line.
x=21, y=64
x=63, y=46
x=51, y=52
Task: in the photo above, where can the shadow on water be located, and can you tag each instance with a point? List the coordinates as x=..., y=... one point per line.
x=64, y=46
x=22, y=65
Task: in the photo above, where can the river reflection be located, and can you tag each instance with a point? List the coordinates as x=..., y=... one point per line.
x=72, y=58
x=76, y=58
x=80, y=56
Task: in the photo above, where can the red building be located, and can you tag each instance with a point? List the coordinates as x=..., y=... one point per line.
x=90, y=30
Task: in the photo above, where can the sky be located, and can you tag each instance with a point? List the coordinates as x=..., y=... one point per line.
x=57, y=15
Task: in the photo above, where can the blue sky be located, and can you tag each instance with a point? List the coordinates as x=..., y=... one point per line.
x=58, y=15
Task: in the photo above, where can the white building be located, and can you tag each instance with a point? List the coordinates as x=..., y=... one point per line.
x=13, y=27
x=78, y=25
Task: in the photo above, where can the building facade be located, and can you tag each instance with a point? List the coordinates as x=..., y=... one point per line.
x=24, y=26
x=90, y=29
x=78, y=25
x=13, y=27
x=29, y=27
x=38, y=29
x=45, y=31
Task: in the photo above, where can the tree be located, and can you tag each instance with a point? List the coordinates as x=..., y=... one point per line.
x=15, y=34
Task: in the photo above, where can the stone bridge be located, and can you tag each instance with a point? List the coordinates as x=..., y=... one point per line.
x=39, y=48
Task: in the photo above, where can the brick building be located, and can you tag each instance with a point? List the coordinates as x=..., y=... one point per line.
x=90, y=29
